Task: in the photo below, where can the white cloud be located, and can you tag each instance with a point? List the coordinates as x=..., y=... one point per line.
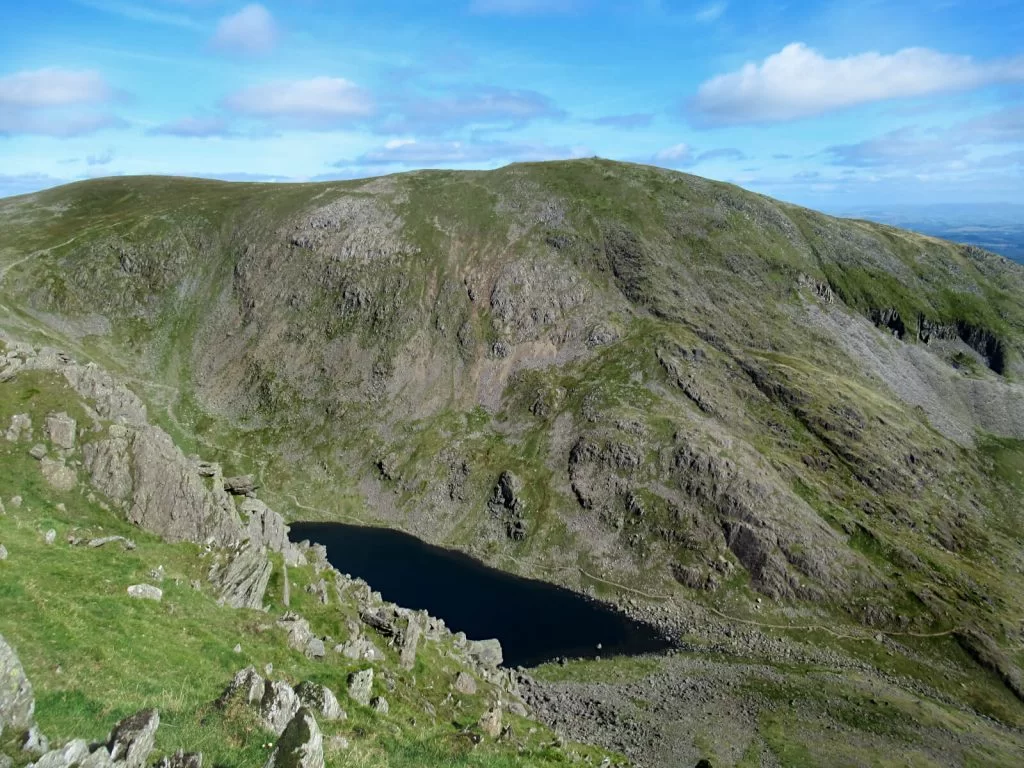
x=317, y=102
x=53, y=87
x=193, y=128
x=711, y=13
x=799, y=82
x=677, y=153
x=251, y=30
x=411, y=152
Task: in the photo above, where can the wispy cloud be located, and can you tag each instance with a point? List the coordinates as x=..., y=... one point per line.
x=710, y=13
x=142, y=13
x=625, y=122
x=685, y=156
x=475, y=105
x=320, y=102
x=193, y=128
x=250, y=31
x=103, y=158
x=799, y=82
x=55, y=102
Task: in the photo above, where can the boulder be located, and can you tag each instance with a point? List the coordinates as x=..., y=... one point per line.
x=246, y=685
x=242, y=485
x=321, y=700
x=360, y=648
x=301, y=744
x=263, y=526
x=60, y=430
x=38, y=451
x=465, y=684
x=35, y=741
x=102, y=542
x=242, y=583
x=3, y=552
x=17, y=704
x=380, y=705
x=21, y=425
x=99, y=758
x=360, y=686
x=278, y=705
x=69, y=755
x=490, y=722
x=182, y=760
x=315, y=649
x=131, y=741
x=146, y=592
x=297, y=628
x=58, y=475
x=50, y=537
x=487, y=653
x=410, y=640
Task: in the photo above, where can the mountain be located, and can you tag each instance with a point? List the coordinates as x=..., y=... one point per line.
x=727, y=414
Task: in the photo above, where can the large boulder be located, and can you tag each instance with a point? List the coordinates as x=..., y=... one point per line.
x=320, y=699
x=360, y=686
x=71, y=754
x=487, y=653
x=132, y=740
x=301, y=745
x=278, y=705
x=242, y=582
x=60, y=429
x=17, y=704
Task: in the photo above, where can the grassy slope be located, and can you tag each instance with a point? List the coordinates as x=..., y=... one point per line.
x=94, y=655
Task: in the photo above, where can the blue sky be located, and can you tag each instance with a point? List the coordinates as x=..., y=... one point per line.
x=828, y=104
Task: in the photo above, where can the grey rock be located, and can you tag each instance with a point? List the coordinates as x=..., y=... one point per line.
x=490, y=722
x=263, y=526
x=3, y=552
x=102, y=542
x=132, y=740
x=69, y=755
x=301, y=744
x=242, y=582
x=58, y=475
x=380, y=705
x=5, y=761
x=21, y=425
x=487, y=653
x=465, y=684
x=278, y=705
x=315, y=649
x=38, y=451
x=50, y=536
x=297, y=628
x=16, y=502
x=241, y=485
x=60, y=430
x=319, y=589
x=34, y=741
x=410, y=641
x=17, y=704
x=360, y=686
x=246, y=685
x=321, y=700
x=146, y=592
x=360, y=648
x=99, y=758
x=182, y=759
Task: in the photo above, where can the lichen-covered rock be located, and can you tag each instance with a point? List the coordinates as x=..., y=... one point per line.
x=465, y=684
x=301, y=744
x=132, y=740
x=242, y=582
x=58, y=475
x=490, y=722
x=182, y=759
x=71, y=754
x=487, y=653
x=246, y=685
x=17, y=704
x=278, y=705
x=146, y=592
x=60, y=430
x=320, y=699
x=360, y=686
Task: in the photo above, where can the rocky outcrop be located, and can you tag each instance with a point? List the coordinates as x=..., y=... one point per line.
x=360, y=686
x=508, y=506
x=243, y=485
x=301, y=744
x=132, y=740
x=71, y=754
x=321, y=700
x=246, y=686
x=278, y=705
x=59, y=429
x=242, y=581
x=987, y=344
x=17, y=704
x=487, y=653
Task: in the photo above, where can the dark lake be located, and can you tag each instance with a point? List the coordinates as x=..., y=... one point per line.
x=535, y=621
